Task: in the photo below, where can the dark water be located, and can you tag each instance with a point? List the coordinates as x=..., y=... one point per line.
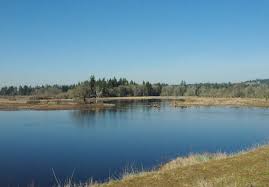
x=102, y=144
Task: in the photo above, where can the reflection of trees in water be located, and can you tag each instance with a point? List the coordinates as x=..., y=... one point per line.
x=107, y=117
x=90, y=118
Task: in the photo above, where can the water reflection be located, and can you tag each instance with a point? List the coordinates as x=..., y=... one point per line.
x=101, y=117
x=146, y=133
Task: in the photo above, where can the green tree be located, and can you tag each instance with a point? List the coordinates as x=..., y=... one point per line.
x=92, y=86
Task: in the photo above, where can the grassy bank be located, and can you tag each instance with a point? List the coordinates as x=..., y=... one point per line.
x=250, y=168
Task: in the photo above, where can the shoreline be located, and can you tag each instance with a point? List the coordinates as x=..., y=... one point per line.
x=23, y=103
x=245, y=168
x=47, y=106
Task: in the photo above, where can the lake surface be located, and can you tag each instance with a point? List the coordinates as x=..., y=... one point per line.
x=102, y=144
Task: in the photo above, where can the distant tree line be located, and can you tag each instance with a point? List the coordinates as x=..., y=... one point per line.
x=45, y=91
x=122, y=87
x=244, y=90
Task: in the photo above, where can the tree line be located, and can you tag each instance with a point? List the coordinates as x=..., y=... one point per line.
x=122, y=87
x=114, y=88
x=243, y=90
x=47, y=90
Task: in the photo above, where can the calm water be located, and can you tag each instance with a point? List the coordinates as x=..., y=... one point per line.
x=103, y=143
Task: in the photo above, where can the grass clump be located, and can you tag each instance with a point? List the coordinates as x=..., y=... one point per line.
x=192, y=160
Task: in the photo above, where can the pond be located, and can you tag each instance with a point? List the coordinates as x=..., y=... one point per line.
x=105, y=143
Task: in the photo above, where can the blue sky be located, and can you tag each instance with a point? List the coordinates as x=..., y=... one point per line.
x=65, y=41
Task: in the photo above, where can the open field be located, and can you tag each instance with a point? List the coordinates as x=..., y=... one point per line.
x=21, y=103
x=250, y=168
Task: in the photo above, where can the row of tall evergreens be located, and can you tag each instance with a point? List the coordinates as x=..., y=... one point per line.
x=122, y=87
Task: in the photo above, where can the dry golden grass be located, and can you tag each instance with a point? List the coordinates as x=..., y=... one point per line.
x=245, y=169
x=210, y=101
x=192, y=160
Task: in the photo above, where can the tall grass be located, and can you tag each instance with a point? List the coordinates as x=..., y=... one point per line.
x=131, y=172
x=180, y=162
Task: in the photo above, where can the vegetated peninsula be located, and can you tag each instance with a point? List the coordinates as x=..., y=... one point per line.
x=92, y=94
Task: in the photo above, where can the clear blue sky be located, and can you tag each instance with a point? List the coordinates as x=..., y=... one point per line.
x=65, y=41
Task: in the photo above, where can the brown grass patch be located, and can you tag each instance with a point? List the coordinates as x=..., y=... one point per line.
x=206, y=101
x=245, y=169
